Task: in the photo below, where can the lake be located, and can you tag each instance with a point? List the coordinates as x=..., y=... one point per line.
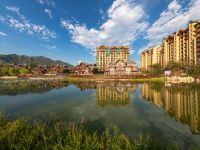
x=167, y=112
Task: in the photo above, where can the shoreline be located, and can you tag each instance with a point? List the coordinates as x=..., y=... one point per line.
x=77, y=79
x=103, y=78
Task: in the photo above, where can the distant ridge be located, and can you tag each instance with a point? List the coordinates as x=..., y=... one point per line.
x=30, y=60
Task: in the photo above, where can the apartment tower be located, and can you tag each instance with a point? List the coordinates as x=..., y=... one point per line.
x=152, y=56
x=183, y=47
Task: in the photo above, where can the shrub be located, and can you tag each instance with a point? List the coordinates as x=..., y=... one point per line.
x=24, y=71
x=13, y=71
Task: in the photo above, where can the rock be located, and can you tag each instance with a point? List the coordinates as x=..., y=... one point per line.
x=177, y=79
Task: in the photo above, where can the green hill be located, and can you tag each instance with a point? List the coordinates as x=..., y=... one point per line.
x=30, y=61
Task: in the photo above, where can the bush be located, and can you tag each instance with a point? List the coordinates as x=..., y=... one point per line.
x=157, y=69
x=13, y=71
x=24, y=71
x=21, y=134
x=4, y=71
x=194, y=70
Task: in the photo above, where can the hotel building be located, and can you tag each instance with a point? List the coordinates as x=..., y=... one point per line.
x=181, y=47
x=108, y=54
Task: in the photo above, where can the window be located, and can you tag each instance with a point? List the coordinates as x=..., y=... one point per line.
x=107, y=51
x=118, y=50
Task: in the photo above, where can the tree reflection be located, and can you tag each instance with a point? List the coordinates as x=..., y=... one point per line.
x=26, y=86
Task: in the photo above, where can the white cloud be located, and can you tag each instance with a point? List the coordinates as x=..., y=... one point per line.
x=24, y=25
x=13, y=9
x=47, y=2
x=48, y=12
x=125, y=22
x=173, y=19
x=51, y=47
x=3, y=34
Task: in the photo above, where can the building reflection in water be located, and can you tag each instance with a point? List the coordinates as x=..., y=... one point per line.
x=180, y=102
x=114, y=93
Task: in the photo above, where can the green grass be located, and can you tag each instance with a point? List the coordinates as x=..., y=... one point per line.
x=24, y=135
x=82, y=79
x=76, y=79
x=161, y=79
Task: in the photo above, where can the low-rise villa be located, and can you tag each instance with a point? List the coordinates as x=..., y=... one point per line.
x=50, y=70
x=121, y=67
x=84, y=69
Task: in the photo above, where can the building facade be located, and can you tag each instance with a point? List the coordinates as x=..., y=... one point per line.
x=120, y=67
x=168, y=50
x=108, y=54
x=83, y=69
x=182, y=47
x=152, y=56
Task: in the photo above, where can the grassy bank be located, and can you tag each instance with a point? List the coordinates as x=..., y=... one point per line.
x=161, y=79
x=82, y=79
x=21, y=134
x=76, y=79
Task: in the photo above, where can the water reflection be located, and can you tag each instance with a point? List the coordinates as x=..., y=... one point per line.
x=114, y=93
x=95, y=101
x=180, y=102
x=24, y=86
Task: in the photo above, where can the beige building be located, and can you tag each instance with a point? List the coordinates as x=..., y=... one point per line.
x=151, y=57
x=181, y=47
x=168, y=50
x=147, y=59
x=108, y=54
x=176, y=48
x=194, y=42
x=120, y=67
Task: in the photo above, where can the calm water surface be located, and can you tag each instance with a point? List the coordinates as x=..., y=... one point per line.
x=167, y=112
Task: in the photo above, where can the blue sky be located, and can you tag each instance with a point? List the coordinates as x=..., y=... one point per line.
x=69, y=30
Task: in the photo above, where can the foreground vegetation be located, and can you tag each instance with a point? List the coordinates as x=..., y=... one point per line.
x=21, y=134
x=11, y=71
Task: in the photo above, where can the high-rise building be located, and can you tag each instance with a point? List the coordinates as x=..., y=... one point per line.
x=108, y=54
x=181, y=47
x=168, y=50
x=157, y=51
x=195, y=42
x=176, y=48
x=151, y=57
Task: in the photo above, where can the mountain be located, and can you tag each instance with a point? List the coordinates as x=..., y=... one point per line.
x=30, y=61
